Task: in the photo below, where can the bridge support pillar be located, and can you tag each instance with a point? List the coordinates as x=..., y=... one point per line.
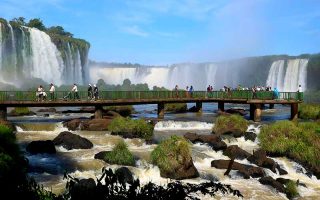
x=98, y=112
x=271, y=106
x=160, y=110
x=255, y=112
x=221, y=106
x=3, y=113
x=294, y=111
x=199, y=107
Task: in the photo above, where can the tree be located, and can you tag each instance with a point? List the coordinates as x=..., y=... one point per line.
x=36, y=23
x=59, y=30
x=20, y=21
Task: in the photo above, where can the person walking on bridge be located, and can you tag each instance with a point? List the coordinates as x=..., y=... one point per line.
x=52, y=91
x=75, y=92
x=95, y=92
x=299, y=93
x=90, y=93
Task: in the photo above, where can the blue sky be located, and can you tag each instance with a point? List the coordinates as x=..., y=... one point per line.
x=163, y=32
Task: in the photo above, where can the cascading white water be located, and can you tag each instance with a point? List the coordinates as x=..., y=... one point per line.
x=0, y=47
x=14, y=50
x=295, y=75
x=78, y=68
x=276, y=75
x=46, y=59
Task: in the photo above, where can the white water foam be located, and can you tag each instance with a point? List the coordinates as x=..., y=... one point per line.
x=181, y=125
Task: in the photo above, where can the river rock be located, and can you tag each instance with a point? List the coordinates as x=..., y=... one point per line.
x=233, y=151
x=112, y=114
x=41, y=146
x=84, y=189
x=268, y=180
x=95, y=125
x=100, y=155
x=73, y=124
x=212, y=140
x=124, y=175
x=246, y=170
x=47, y=110
x=260, y=158
x=241, y=112
x=185, y=170
x=250, y=136
x=72, y=141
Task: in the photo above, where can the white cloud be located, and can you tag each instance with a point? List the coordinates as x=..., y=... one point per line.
x=135, y=30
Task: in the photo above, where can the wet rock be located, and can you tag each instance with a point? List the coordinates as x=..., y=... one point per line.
x=233, y=151
x=185, y=170
x=124, y=175
x=95, y=125
x=275, y=184
x=246, y=170
x=212, y=140
x=46, y=115
x=241, y=112
x=47, y=110
x=250, y=136
x=84, y=189
x=72, y=141
x=100, y=155
x=283, y=180
x=113, y=114
x=259, y=158
x=193, y=109
x=72, y=124
x=41, y=146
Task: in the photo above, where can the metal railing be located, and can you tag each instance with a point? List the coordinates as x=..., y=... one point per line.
x=114, y=95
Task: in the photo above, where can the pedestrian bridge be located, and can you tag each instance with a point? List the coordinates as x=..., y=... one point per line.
x=112, y=98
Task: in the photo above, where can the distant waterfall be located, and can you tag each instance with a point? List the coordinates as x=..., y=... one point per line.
x=27, y=53
x=276, y=75
x=295, y=75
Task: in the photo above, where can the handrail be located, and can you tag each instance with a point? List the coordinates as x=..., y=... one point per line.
x=113, y=95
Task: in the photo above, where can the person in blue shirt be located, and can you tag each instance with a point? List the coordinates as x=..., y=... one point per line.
x=275, y=93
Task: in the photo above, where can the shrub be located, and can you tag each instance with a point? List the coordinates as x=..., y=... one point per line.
x=135, y=128
x=20, y=111
x=225, y=123
x=297, y=140
x=291, y=189
x=176, y=107
x=309, y=111
x=168, y=154
x=120, y=155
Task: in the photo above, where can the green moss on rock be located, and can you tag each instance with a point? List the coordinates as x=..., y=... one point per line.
x=230, y=124
x=120, y=155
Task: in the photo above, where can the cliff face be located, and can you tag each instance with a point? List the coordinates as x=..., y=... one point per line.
x=30, y=53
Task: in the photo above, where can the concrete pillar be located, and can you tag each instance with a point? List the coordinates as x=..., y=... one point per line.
x=199, y=107
x=221, y=106
x=271, y=106
x=98, y=112
x=294, y=111
x=3, y=113
x=255, y=112
x=160, y=110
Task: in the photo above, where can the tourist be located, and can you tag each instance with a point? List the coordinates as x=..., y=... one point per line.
x=191, y=90
x=275, y=93
x=95, y=92
x=176, y=91
x=75, y=92
x=299, y=93
x=52, y=91
x=187, y=91
x=39, y=93
x=90, y=94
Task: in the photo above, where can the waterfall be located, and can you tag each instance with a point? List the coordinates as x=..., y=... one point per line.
x=295, y=75
x=14, y=50
x=1, y=47
x=276, y=75
x=46, y=59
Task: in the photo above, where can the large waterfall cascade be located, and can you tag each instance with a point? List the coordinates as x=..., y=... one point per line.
x=287, y=76
x=30, y=53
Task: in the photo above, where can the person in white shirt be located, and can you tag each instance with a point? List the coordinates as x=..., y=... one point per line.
x=299, y=93
x=39, y=93
x=75, y=92
x=52, y=90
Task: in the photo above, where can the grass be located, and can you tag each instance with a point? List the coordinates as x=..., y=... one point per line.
x=291, y=189
x=120, y=155
x=170, y=153
x=309, y=111
x=21, y=111
x=299, y=140
x=176, y=107
x=137, y=128
x=226, y=123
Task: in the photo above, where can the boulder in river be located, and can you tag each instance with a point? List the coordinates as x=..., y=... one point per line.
x=268, y=180
x=233, y=151
x=250, y=136
x=47, y=110
x=95, y=125
x=72, y=141
x=41, y=146
x=240, y=111
x=124, y=175
x=73, y=124
x=212, y=140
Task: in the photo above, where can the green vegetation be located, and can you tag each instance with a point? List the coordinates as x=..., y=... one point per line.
x=298, y=141
x=291, y=189
x=230, y=123
x=120, y=155
x=171, y=153
x=124, y=111
x=20, y=111
x=131, y=128
x=176, y=107
x=309, y=111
